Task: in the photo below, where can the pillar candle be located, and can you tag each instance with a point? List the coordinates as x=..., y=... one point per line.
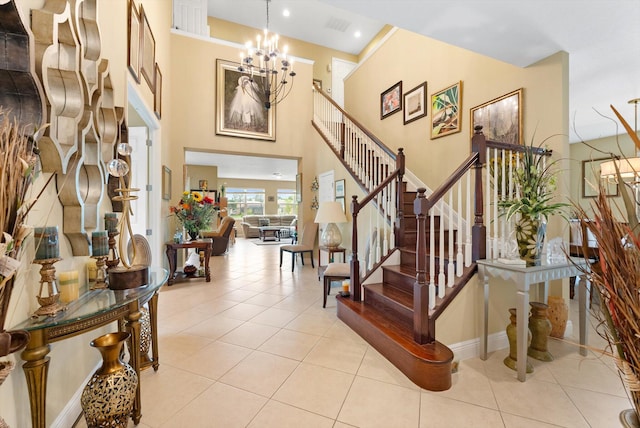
x=46, y=242
x=111, y=222
x=345, y=286
x=92, y=270
x=99, y=243
x=69, y=286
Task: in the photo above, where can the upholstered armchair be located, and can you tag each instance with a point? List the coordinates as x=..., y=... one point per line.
x=220, y=236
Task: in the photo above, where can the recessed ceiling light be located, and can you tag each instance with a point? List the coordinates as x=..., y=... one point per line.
x=357, y=34
x=286, y=13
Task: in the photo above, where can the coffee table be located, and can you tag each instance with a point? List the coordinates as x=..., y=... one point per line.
x=269, y=232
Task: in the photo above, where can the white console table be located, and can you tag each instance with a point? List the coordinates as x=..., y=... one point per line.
x=523, y=277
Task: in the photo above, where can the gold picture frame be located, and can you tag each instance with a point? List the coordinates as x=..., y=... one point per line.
x=446, y=108
x=501, y=118
x=133, y=41
x=147, y=50
x=238, y=114
x=166, y=183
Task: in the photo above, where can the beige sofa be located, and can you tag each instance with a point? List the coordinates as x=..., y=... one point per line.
x=251, y=223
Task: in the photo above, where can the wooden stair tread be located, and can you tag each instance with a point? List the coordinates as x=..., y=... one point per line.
x=392, y=293
x=428, y=366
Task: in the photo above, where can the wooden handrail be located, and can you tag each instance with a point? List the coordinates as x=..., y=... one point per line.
x=364, y=130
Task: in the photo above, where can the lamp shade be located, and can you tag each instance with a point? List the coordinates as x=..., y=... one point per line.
x=330, y=212
x=629, y=168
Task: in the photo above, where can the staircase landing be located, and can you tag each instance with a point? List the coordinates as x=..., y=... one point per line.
x=428, y=366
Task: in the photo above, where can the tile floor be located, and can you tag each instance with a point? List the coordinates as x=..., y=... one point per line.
x=255, y=348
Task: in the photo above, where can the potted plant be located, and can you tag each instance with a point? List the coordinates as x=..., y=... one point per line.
x=531, y=201
x=616, y=280
x=194, y=212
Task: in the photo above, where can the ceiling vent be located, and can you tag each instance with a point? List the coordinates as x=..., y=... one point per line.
x=337, y=24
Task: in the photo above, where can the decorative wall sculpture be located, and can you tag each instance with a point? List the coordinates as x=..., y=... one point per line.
x=20, y=90
x=83, y=118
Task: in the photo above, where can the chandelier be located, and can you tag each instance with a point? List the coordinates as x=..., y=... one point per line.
x=267, y=69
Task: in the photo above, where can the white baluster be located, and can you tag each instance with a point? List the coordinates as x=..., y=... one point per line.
x=452, y=270
x=459, y=255
x=467, y=252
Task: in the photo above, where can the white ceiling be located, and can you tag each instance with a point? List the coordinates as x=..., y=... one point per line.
x=602, y=38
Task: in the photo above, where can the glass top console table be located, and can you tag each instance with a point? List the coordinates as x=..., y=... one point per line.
x=522, y=277
x=93, y=309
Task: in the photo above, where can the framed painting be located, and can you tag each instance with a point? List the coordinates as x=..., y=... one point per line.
x=445, y=111
x=157, y=95
x=239, y=114
x=133, y=41
x=500, y=118
x=339, y=188
x=415, y=103
x=166, y=183
x=147, y=50
x=299, y=188
x=391, y=100
x=591, y=179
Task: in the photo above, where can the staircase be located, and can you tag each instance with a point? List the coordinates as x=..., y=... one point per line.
x=432, y=238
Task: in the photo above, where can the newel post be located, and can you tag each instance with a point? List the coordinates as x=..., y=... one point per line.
x=399, y=220
x=421, y=332
x=355, y=263
x=479, y=231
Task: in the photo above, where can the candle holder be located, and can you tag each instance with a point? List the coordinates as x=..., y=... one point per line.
x=49, y=303
x=113, y=259
x=101, y=274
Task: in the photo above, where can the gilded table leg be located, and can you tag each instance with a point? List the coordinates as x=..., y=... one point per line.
x=153, y=316
x=133, y=326
x=35, y=369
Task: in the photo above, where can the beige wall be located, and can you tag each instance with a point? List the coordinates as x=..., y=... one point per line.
x=195, y=173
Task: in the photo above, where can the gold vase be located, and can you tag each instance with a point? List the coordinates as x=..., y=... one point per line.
x=511, y=360
x=540, y=328
x=107, y=399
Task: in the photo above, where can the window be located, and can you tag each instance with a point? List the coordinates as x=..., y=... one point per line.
x=241, y=202
x=287, y=202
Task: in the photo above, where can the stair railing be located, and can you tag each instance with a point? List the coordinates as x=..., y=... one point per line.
x=378, y=171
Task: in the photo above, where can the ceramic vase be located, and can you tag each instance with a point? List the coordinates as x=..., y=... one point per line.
x=558, y=314
x=530, y=233
x=511, y=360
x=540, y=327
x=107, y=399
x=629, y=419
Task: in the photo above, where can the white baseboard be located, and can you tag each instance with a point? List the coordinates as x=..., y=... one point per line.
x=73, y=409
x=471, y=348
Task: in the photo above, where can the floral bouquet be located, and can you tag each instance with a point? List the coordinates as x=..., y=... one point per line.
x=194, y=212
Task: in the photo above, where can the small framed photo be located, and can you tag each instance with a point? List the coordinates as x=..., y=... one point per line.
x=339, y=188
x=445, y=111
x=147, y=51
x=415, y=103
x=391, y=100
x=591, y=179
x=271, y=198
x=501, y=118
x=342, y=202
x=157, y=96
x=166, y=183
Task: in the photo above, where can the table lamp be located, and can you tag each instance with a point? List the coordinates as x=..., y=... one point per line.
x=330, y=212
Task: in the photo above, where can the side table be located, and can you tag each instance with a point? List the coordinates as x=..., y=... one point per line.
x=331, y=251
x=522, y=277
x=172, y=253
